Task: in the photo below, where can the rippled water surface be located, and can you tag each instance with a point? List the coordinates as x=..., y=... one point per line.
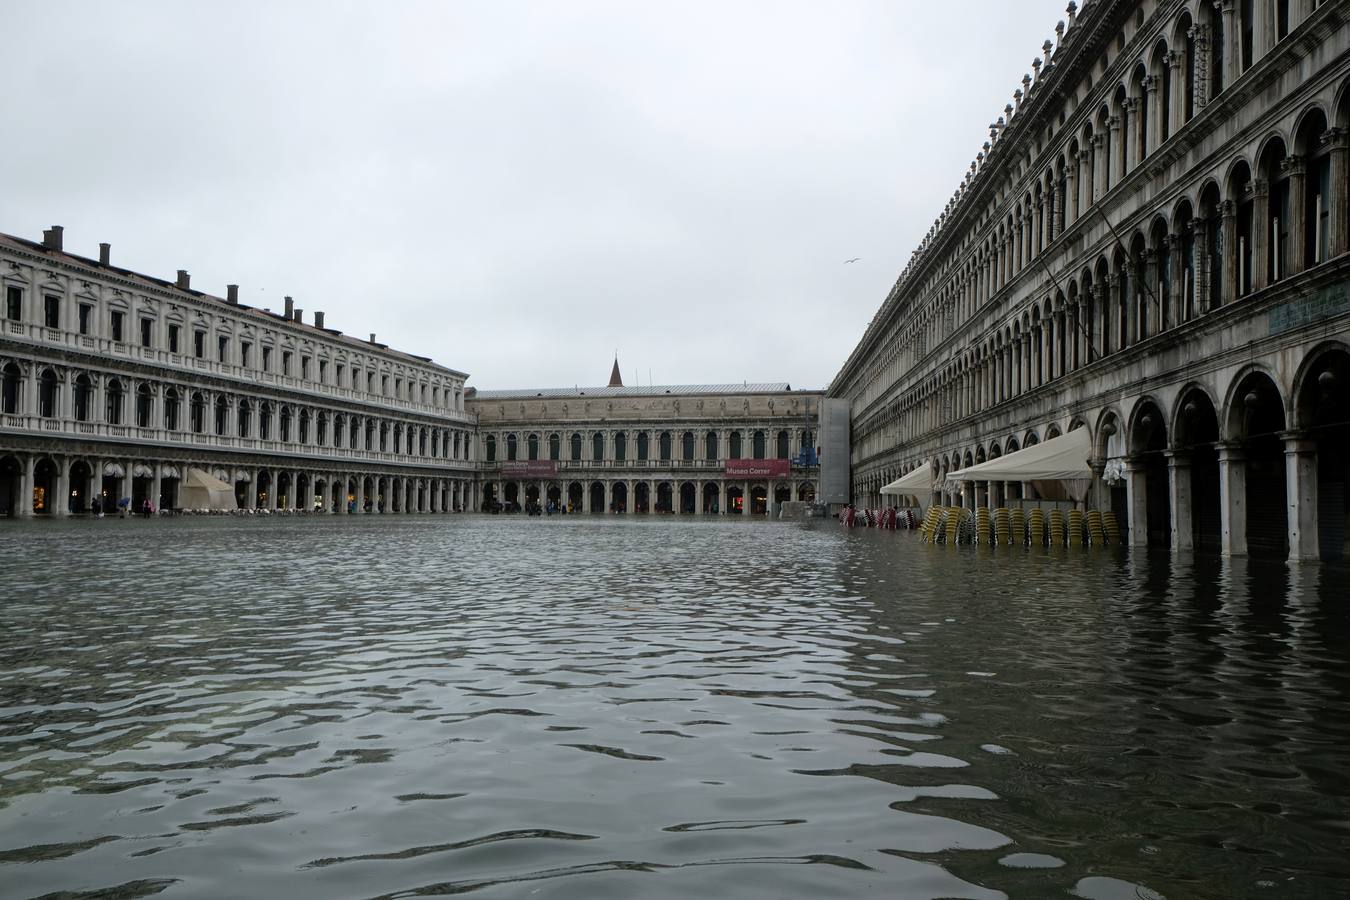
x=592, y=708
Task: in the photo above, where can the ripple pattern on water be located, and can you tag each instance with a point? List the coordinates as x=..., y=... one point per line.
x=588, y=707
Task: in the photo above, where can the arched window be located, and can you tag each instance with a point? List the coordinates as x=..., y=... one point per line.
x=808, y=439
x=113, y=411
x=532, y=443
x=511, y=446
x=144, y=400
x=9, y=389
x=554, y=447
x=197, y=413
x=598, y=446
x=620, y=447
x=759, y=445
x=384, y=437
x=490, y=448
x=370, y=434
x=222, y=417
x=783, y=445
x=304, y=426
x=245, y=419
x=285, y=424
x=171, y=409
x=734, y=452
x=422, y=439
x=710, y=445
x=265, y=420
x=47, y=394
x=664, y=448
x=576, y=447
x=84, y=390
x=687, y=446
x=642, y=445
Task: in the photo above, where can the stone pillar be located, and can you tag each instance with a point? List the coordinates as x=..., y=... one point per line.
x=745, y=499
x=1260, y=193
x=157, y=487
x=1232, y=66
x=1300, y=466
x=1153, y=139
x=434, y=492
x=1136, y=491
x=1131, y=108
x=1338, y=239
x=609, y=501
x=1179, y=491
x=1071, y=191
x=26, y=487
x=1114, y=125
x=1294, y=167
x=272, y=489
x=1233, y=499
x=59, y=502
x=360, y=494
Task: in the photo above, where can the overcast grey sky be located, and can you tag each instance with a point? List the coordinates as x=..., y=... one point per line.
x=518, y=189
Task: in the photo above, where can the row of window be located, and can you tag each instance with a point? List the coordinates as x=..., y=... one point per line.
x=244, y=418
x=642, y=446
x=250, y=354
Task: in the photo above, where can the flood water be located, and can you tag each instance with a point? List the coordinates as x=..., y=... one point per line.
x=598, y=708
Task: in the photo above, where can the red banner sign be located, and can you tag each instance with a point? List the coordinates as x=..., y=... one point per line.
x=757, y=468
x=529, y=468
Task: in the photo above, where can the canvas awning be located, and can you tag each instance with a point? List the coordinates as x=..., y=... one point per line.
x=1059, y=463
x=201, y=490
x=915, y=484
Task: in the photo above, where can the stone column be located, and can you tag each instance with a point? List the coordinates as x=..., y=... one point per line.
x=1300, y=466
x=1131, y=107
x=1232, y=66
x=1114, y=125
x=26, y=487
x=157, y=488
x=1153, y=139
x=360, y=494
x=745, y=499
x=1294, y=167
x=1176, y=100
x=1260, y=194
x=609, y=501
x=434, y=495
x=1071, y=190
x=272, y=489
x=1179, y=491
x=1233, y=499
x=1136, y=492
x=59, y=501
x=1338, y=239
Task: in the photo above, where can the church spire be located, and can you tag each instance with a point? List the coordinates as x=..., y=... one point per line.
x=615, y=379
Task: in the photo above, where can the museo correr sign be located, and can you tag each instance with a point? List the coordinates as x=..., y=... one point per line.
x=533, y=468
x=757, y=468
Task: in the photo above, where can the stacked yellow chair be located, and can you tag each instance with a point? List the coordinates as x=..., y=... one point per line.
x=1036, y=521
x=1056, y=528
x=983, y=526
x=953, y=524
x=1112, y=528
x=1096, y=536
x=932, y=520
x=1075, y=528
x=1002, y=528
x=1018, y=523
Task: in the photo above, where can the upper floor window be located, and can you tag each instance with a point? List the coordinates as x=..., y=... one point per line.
x=323, y=371
x=174, y=331
x=147, y=331
x=86, y=317
x=384, y=385
x=51, y=306
x=14, y=302
x=199, y=344
x=117, y=321
x=223, y=348
x=267, y=359
x=244, y=351
x=285, y=362
x=304, y=367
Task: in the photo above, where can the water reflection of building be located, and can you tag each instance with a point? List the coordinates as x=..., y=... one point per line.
x=1152, y=246
x=685, y=448
x=115, y=384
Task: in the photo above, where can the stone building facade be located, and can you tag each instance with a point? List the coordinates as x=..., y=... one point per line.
x=114, y=384
x=688, y=449
x=1152, y=246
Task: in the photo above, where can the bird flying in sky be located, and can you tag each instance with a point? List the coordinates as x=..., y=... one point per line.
x=853, y=260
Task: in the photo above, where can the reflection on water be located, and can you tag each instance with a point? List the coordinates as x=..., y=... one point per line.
x=588, y=708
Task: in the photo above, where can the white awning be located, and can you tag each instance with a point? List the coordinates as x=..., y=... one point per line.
x=916, y=483
x=1062, y=459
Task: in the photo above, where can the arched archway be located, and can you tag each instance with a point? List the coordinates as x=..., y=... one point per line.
x=1322, y=415
x=597, y=498
x=575, y=494
x=1150, y=520
x=1253, y=425
x=1195, y=462
x=711, y=497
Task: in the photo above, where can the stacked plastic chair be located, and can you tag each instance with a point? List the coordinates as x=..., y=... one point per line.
x=1111, y=527
x=983, y=526
x=1096, y=536
x=953, y=524
x=931, y=521
x=1036, y=527
x=1056, y=528
x=1002, y=528
x=1075, y=528
x=1017, y=522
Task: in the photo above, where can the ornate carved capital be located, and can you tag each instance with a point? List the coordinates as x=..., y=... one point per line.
x=1335, y=138
x=1292, y=165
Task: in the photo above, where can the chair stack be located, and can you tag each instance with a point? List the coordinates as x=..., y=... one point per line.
x=1075, y=525
x=953, y=524
x=1056, y=528
x=983, y=526
x=1096, y=536
x=932, y=521
x=1111, y=527
x=1002, y=527
x=1036, y=527
x=1017, y=522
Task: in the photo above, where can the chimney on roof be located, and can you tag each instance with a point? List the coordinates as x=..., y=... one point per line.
x=232, y=294
x=51, y=238
x=372, y=337
x=318, y=318
x=290, y=308
x=184, y=279
x=104, y=254
x=299, y=315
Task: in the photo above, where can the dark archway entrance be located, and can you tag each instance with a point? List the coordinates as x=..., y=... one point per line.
x=575, y=493
x=597, y=504
x=44, y=487
x=1257, y=421
x=734, y=501
x=81, y=477
x=1323, y=413
x=642, y=501
x=1148, y=445
x=1197, y=439
x=618, y=501
x=712, y=495
x=11, y=485
x=759, y=500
